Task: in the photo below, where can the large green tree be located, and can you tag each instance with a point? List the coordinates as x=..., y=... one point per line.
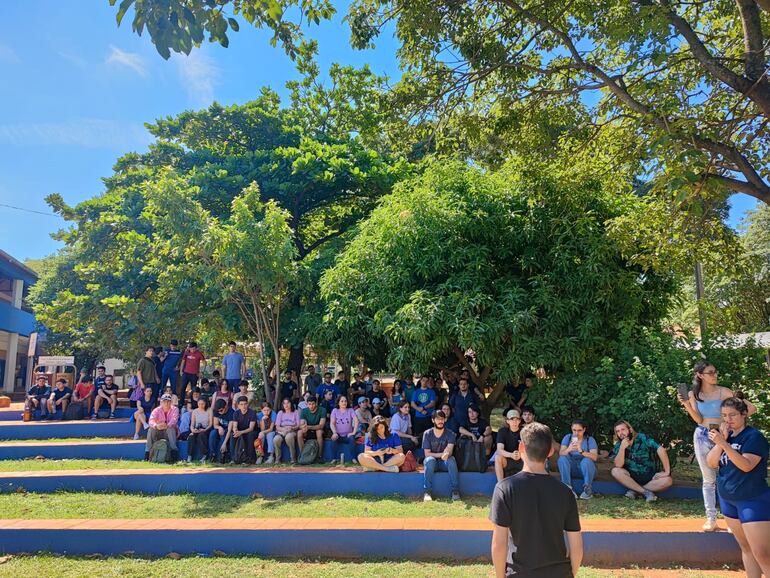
x=500, y=272
x=310, y=157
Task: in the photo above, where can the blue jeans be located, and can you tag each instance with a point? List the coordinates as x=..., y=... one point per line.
x=169, y=375
x=215, y=442
x=579, y=467
x=433, y=465
x=233, y=384
x=343, y=441
x=703, y=446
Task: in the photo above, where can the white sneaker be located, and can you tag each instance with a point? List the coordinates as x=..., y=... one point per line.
x=189, y=459
x=710, y=525
x=270, y=460
x=260, y=459
x=136, y=436
x=649, y=496
x=426, y=497
x=392, y=469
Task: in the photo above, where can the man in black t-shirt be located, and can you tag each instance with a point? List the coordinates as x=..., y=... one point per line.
x=531, y=512
x=507, y=457
x=244, y=424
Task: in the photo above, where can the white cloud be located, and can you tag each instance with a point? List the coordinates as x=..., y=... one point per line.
x=8, y=54
x=199, y=75
x=74, y=59
x=86, y=132
x=132, y=60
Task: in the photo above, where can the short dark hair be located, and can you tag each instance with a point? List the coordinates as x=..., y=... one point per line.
x=243, y=382
x=329, y=373
x=537, y=440
x=528, y=408
x=86, y=379
x=232, y=343
x=529, y=375
x=193, y=344
x=312, y=398
x=110, y=376
x=101, y=367
x=220, y=405
x=579, y=422
x=440, y=414
x=243, y=398
x=61, y=380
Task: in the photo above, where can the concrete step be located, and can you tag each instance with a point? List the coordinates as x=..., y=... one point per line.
x=606, y=542
x=38, y=430
x=266, y=481
x=15, y=412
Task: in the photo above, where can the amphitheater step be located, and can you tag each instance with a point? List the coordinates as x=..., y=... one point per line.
x=33, y=430
x=270, y=482
x=14, y=413
x=607, y=542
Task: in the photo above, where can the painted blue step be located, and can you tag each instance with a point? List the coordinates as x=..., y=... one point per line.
x=66, y=429
x=267, y=482
x=8, y=414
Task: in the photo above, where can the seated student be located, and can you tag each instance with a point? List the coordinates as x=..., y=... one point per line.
x=243, y=390
x=343, y=423
x=329, y=404
x=378, y=393
x=383, y=450
x=144, y=408
x=222, y=415
x=476, y=428
x=507, y=457
x=207, y=391
x=636, y=457
x=201, y=422
x=577, y=457
x=536, y=528
x=223, y=392
x=84, y=394
x=438, y=444
x=244, y=424
x=451, y=423
x=303, y=402
x=267, y=433
x=192, y=403
x=312, y=421
x=378, y=409
x=109, y=394
x=401, y=425
x=163, y=425
x=363, y=415
x=37, y=396
x=59, y=399
x=286, y=428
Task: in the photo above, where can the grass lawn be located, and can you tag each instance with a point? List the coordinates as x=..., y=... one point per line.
x=139, y=506
x=62, y=567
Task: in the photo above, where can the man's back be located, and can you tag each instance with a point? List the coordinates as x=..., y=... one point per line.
x=537, y=509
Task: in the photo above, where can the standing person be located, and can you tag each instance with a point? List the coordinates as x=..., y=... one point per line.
x=59, y=399
x=163, y=425
x=462, y=400
x=147, y=373
x=313, y=380
x=438, y=444
x=703, y=406
x=741, y=452
x=201, y=422
x=409, y=389
x=378, y=393
x=343, y=424
x=109, y=394
x=517, y=394
x=577, y=457
x=396, y=396
x=189, y=370
x=383, y=449
x=171, y=362
x=532, y=512
x=286, y=428
x=401, y=425
x=357, y=388
x=289, y=388
x=327, y=385
x=508, y=457
x=636, y=468
x=37, y=396
x=342, y=384
x=233, y=367
x=423, y=404
x=144, y=407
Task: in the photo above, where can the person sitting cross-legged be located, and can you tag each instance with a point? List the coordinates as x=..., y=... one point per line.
x=438, y=444
x=577, y=457
x=636, y=468
x=108, y=393
x=244, y=424
x=507, y=457
x=312, y=423
x=383, y=449
x=163, y=426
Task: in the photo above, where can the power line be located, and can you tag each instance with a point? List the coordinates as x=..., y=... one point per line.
x=29, y=210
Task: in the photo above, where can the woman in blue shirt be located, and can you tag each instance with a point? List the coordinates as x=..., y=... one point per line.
x=577, y=457
x=740, y=452
x=383, y=450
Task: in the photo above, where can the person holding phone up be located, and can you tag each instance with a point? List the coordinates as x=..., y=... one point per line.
x=703, y=406
x=577, y=457
x=740, y=453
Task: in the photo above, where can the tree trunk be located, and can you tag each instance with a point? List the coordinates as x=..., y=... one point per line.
x=491, y=400
x=296, y=358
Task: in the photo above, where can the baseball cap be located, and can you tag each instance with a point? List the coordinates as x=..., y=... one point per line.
x=361, y=399
x=376, y=401
x=165, y=397
x=512, y=413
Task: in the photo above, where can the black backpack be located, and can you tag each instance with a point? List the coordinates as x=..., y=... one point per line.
x=241, y=454
x=470, y=456
x=74, y=411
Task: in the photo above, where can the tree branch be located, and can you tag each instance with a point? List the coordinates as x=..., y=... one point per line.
x=753, y=39
x=760, y=193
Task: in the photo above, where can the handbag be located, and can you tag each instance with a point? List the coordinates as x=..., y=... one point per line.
x=470, y=456
x=410, y=463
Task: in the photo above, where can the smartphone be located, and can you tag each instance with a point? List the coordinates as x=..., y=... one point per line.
x=683, y=390
x=713, y=426
x=574, y=439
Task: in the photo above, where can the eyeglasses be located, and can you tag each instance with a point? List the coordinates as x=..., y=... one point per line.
x=713, y=372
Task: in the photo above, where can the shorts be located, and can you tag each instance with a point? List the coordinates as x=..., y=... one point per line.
x=756, y=509
x=642, y=478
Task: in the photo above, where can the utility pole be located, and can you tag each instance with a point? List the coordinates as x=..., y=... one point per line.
x=699, y=294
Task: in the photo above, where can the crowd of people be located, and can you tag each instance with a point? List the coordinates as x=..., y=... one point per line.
x=425, y=418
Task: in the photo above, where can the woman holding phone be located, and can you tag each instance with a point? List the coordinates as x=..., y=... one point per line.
x=703, y=404
x=740, y=453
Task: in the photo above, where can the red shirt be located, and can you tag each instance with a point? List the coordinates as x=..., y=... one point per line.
x=192, y=362
x=83, y=390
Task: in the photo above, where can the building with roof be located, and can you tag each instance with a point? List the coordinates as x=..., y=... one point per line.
x=17, y=322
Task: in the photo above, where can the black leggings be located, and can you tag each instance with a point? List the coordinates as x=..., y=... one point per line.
x=198, y=445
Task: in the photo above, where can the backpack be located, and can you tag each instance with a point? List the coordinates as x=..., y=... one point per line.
x=74, y=411
x=470, y=456
x=159, y=452
x=309, y=453
x=410, y=463
x=241, y=455
x=104, y=413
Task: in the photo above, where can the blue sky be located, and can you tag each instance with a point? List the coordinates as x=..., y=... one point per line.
x=77, y=90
